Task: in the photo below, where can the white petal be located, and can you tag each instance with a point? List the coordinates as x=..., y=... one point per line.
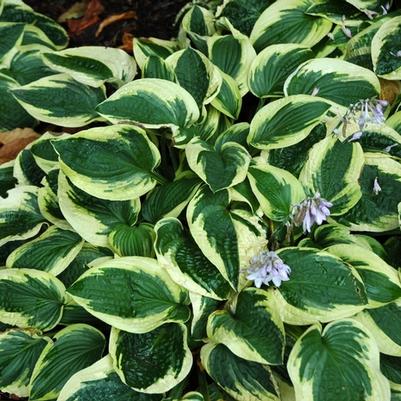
x=276, y=281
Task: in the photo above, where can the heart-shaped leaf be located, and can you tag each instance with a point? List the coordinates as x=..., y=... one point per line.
x=219, y=168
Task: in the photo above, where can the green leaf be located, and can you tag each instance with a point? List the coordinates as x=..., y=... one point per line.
x=16, y=11
x=12, y=115
x=233, y=54
x=178, y=253
x=19, y=352
x=53, y=251
x=219, y=168
x=273, y=65
x=195, y=73
x=286, y=121
x=294, y=157
x=368, y=5
x=385, y=48
x=156, y=67
x=376, y=212
x=88, y=253
x=321, y=287
x=48, y=201
x=198, y=20
x=359, y=47
x=333, y=169
x=209, y=124
x=382, y=138
x=26, y=170
x=146, y=47
x=236, y=328
x=333, y=79
x=299, y=26
x=347, y=359
x=277, y=190
x=202, y=308
x=10, y=38
x=236, y=133
x=151, y=102
x=93, y=65
x=228, y=100
x=113, y=163
x=152, y=362
x=93, y=218
x=60, y=100
x=7, y=179
x=132, y=241
x=241, y=379
x=20, y=217
x=333, y=11
x=394, y=122
x=384, y=324
x=76, y=347
x=35, y=40
x=99, y=382
x=243, y=14
x=146, y=299
x=227, y=236
x=169, y=200
x=390, y=367
x=30, y=298
x=44, y=153
x=381, y=280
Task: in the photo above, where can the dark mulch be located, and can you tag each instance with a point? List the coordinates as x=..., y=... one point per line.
x=147, y=18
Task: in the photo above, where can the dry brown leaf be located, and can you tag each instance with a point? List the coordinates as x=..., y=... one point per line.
x=77, y=10
x=12, y=142
x=91, y=17
x=127, y=40
x=115, y=18
x=390, y=90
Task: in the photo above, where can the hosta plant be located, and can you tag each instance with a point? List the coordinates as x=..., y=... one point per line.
x=224, y=222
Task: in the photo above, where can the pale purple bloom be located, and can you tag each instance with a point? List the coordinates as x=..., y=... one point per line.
x=372, y=112
x=386, y=8
x=376, y=187
x=370, y=14
x=312, y=210
x=364, y=112
x=389, y=147
x=347, y=32
x=268, y=266
x=357, y=135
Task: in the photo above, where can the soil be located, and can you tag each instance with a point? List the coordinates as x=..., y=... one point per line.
x=145, y=18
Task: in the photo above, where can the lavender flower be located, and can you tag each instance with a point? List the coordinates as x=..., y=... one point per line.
x=389, y=147
x=364, y=112
x=370, y=14
x=355, y=136
x=267, y=266
x=346, y=31
x=312, y=210
x=376, y=187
